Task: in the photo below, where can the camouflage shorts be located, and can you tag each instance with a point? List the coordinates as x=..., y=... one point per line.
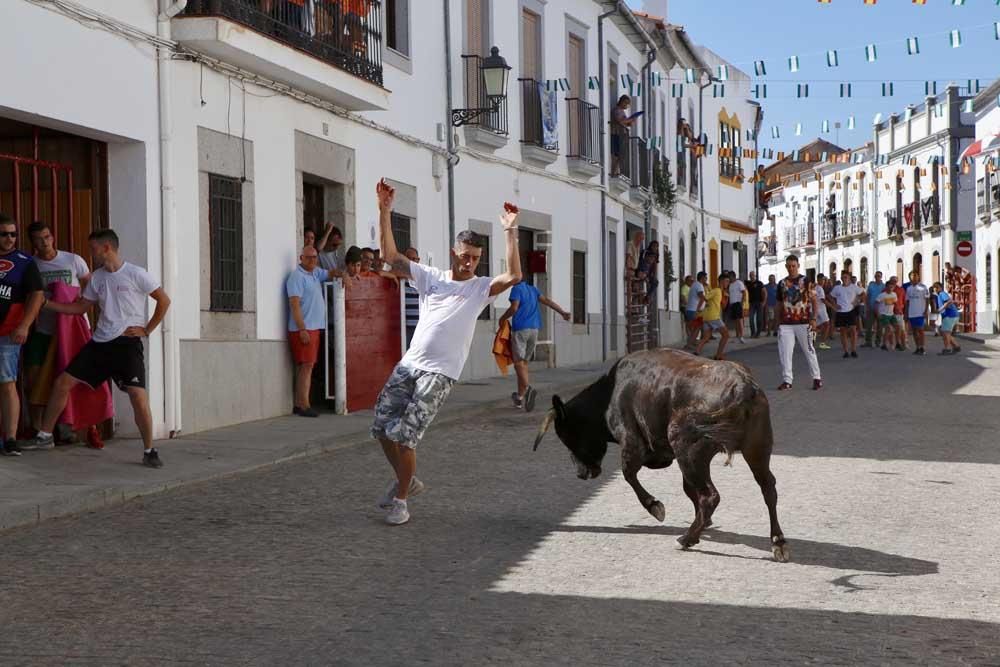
x=408, y=403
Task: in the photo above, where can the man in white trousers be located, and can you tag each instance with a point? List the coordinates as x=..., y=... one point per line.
x=797, y=307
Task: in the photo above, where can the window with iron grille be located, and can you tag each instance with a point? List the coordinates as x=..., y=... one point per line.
x=401, y=232
x=483, y=269
x=225, y=219
x=579, y=287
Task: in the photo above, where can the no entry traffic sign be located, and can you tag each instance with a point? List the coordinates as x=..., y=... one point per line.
x=964, y=248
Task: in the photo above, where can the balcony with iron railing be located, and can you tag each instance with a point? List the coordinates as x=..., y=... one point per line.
x=490, y=127
x=583, y=125
x=769, y=246
x=800, y=237
x=539, y=140
x=328, y=48
x=640, y=173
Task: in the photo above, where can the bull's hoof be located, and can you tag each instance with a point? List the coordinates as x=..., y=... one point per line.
x=658, y=511
x=780, y=550
x=684, y=542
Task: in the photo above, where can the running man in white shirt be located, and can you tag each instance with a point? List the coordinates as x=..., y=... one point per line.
x=917, y=304
x=450, y=303
x=115, y=352
x=846, y=297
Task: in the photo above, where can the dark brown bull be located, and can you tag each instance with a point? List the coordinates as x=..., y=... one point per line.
x=666, y=405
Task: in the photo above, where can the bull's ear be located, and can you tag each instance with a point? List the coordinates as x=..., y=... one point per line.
x=559, y=407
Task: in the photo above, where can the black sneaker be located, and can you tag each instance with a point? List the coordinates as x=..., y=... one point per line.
x=884, y=348
x=854, y=354
x=10, y=448
x=151, y=459
x=529, y=399
x=39, y=442
x=305, y=412
x=846, y=355
x=817, y=385
x=920, y=352
x=516, y=400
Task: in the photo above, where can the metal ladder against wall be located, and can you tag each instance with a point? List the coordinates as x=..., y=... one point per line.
x=639, y=326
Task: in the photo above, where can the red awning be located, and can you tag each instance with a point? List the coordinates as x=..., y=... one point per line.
x=977, y=148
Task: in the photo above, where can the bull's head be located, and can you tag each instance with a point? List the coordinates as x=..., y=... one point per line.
x=587, y=443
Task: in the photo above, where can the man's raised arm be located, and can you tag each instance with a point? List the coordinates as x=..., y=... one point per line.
x=390, y=253
x=512, y=276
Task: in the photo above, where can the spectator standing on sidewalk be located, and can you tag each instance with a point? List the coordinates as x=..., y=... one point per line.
x=695, y=303
x=772, y=305
x=949, y=319
x=873, y=325
x=737, y=291
x=306, y=323
x=900, y=314
x=917, y=303
x=526, y=321
x=713, y=317
x=450, y=304
x=21, y=298
x=797, y=307
x=845, y=297
x=758, y=297
x=121, y=290
x=885, y=306
x=822, y=340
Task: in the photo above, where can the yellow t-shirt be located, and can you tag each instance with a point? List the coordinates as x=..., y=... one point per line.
x=713, y=304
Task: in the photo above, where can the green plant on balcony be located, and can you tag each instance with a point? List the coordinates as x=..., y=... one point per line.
x=664, y=190
x=668, y=272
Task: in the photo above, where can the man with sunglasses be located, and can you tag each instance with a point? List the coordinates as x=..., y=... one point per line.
x=21, y=298
x=450, y=304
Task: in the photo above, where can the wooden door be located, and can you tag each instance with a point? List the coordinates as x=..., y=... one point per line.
x=476, y=34
x=531, y=45
x=575, y=68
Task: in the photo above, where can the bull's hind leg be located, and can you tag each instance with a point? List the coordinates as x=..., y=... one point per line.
x=631, y=465
x=759, y=461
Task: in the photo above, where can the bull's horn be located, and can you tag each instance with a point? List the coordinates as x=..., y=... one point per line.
x=549, y=416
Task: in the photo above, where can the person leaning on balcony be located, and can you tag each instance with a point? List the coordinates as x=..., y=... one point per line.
x=620, y=122
x=306, y=321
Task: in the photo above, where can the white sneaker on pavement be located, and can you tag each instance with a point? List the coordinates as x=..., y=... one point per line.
x=385, y=503
x=399, y=514
x=742, y=341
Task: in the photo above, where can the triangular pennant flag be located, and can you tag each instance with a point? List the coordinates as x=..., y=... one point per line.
x=798, y=129
x=803, y=90
x=832, y=59
x=760, y=69
x=677, y=90
x=689, y=75
x=795, y=155
x=845, y=90
x=760, y=90
x=850, y=123
x=967, y=106
x=871, y=51
x=593, y=82
x=930, y=87
x=626, y=81
x=996, y=31
x=956, y=39
x=913, y=45
x=718, y=90
x=957, y=3
x=826, y=127
x=793, y=64
x=723, y=72
x=775, y=132
x=888, y=89
x=973, y=86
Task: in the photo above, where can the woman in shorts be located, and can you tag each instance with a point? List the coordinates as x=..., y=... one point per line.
x=949, y=318
x=822, y=317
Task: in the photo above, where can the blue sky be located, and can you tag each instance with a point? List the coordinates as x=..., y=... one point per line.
x=743, y=31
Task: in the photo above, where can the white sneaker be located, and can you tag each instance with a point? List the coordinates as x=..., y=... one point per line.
x=399, y=514
x=742, y=341
x=385, y=503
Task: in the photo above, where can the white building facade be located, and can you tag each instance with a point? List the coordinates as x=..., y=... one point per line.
x=987, y=238
x=210, y=133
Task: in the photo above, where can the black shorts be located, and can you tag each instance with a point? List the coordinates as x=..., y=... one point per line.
x=848, y=319
x=734, y=311
x=120, y=360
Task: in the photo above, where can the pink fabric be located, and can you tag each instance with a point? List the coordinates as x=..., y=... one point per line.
x=86, y=406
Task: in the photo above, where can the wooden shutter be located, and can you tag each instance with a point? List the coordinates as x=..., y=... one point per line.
x=576, y=68
x=475, y=24
x=531, y=61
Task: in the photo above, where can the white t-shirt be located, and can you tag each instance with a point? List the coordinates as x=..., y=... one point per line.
x=694, y=296
x=846, y=297
x=736, y=289
x=122, y=296
x=333, y=260
x=886, y=303
x=916, y=300
x=822, y=317
x=64, y=267
x=448, y=313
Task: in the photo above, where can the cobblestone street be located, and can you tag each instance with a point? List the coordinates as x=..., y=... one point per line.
x=887, y=483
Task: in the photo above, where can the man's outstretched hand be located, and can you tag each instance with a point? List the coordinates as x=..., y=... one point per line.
x=508, y=220
x=386, y=194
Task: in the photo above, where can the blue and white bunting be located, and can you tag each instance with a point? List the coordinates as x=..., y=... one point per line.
x=677, y=90
x=967, y=106
x=930, y=87
x=878, y=119
x=871, y=52
x=594, y=82
x=723, y=72
x=802, y=90
x=845, y=90
x=689, y=75
x=851, y=123
x=888, y=89
x=718, y=90
x=956, y=38
x=760, y=69
x=793, y=64
x=832, y=59
x=826, y=127
x=913, y=45
x=775, y=132
x=760, y=90
x=798, y=129
x=996, y=30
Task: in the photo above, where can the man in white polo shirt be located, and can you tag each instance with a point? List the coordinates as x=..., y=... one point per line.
x=450, y=304
x=917, y=304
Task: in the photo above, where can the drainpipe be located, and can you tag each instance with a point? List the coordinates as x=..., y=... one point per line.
x=646, y=127
x=168, y=232
x=449, y=130
x=701, y=173
x=604, y=186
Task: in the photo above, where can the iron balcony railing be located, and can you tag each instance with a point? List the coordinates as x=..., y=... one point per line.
x=769, y=246
x=584, y=130
x=800, y=236
x=829, y=228
x=641, y=171
x=857, y=221
x=982, y=203
x=533, y=100
x=621, y=142
x=344, y=33
x=495, y=117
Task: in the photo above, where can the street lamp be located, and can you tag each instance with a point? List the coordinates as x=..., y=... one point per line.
x=495, y=76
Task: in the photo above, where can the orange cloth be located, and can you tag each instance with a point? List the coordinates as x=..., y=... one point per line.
x=502, y=352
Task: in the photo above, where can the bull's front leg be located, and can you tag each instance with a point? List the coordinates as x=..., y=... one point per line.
x=631, y=465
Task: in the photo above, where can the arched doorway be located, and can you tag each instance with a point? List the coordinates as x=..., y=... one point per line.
x=918, y=266
x=864, y=271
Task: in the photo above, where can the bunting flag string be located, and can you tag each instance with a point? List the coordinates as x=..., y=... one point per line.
x=557, y=84
x=594, y=82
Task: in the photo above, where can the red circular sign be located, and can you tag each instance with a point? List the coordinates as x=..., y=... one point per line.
x=964, y=248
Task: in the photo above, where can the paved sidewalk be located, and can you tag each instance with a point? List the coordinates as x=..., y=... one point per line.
x=44, y=485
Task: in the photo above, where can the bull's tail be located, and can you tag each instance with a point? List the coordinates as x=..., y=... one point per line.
x=726, y=427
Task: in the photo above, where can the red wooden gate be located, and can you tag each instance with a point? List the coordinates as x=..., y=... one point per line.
x=373, y=334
